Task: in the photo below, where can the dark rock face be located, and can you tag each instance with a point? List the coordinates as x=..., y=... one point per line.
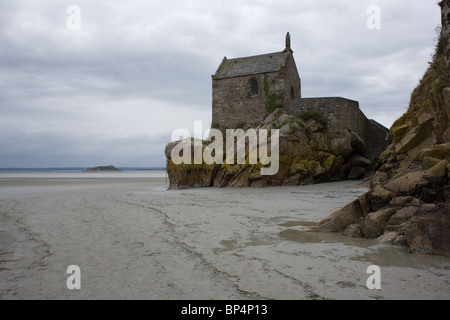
x=409, y=200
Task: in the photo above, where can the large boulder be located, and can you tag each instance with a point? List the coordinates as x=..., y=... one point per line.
x=342, y=146
x=341, y=219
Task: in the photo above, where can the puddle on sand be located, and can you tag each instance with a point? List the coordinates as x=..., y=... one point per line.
x=392, y=256
x=227, y=246
x=325, y=237
x=298, y=223
x=254, y=241
x=300, y=236
x=383, y=255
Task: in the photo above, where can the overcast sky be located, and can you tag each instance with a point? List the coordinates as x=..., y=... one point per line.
x=112, y=89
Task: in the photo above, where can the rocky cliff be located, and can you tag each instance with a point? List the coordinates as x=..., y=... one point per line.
x=307, y=154
x=409, y=200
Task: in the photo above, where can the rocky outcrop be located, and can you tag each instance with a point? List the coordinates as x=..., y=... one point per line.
x=307, y=154
x=411, y=209
x=409, y=200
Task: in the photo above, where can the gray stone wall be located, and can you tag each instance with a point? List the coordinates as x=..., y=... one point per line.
x=292, y=85
x=342, y=114
x=377, y=138
x=234, y=105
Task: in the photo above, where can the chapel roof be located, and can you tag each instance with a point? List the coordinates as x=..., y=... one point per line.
x=265, y=63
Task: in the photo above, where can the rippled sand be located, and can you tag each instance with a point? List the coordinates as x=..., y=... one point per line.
x=133, y=239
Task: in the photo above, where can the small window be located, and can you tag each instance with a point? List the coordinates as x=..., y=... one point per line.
x=292, y=93
x=254, y=87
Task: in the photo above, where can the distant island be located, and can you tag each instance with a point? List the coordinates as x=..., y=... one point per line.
x=109, y=168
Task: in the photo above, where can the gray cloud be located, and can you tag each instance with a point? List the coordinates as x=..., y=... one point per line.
x=137, y=70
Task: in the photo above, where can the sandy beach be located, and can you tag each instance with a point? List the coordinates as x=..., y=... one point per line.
x=134, y=239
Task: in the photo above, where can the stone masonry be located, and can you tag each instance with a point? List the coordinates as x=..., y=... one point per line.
x=239, y=97
x=242, y=88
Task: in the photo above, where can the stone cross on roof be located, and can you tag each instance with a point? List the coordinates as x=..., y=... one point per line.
x=288, y=44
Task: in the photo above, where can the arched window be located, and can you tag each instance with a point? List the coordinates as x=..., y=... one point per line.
x=254, y=87
x=292, y=93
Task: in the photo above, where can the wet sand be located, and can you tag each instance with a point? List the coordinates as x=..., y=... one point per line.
x=133, y=239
